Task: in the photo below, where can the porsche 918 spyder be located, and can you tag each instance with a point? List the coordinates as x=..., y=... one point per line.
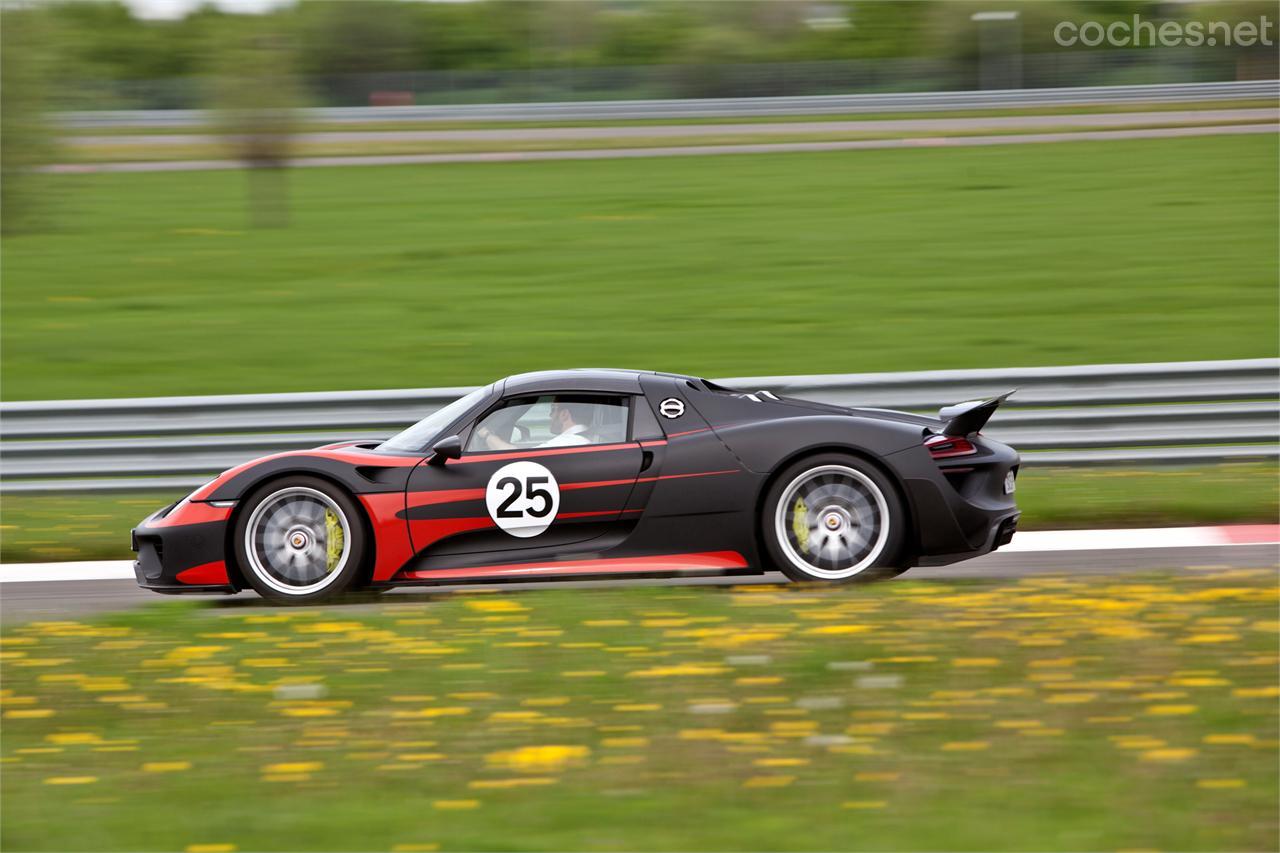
x=596, y=474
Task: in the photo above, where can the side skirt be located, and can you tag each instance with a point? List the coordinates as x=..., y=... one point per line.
x=613, y=576
x=660, y=565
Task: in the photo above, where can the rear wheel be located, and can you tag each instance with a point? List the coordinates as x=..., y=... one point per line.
x=833, y=518
x=300, y=540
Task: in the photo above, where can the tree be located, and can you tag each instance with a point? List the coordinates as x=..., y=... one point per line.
x=26, y=139
x=255, y=100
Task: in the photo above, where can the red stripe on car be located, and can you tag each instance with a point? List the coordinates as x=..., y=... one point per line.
x=351, y=457
x=205, y=574
x=550, y=451
x=391, y=544
x=442, y=496
x=697, y=562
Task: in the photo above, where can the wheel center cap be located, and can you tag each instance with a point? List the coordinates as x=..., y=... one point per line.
x=833, y=521
x=299, y=539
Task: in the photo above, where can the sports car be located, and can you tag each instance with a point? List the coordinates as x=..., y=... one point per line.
x=596, y=474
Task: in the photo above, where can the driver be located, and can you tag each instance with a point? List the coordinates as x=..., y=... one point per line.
x=568, y=428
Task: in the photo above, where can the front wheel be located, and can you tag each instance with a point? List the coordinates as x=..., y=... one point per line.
x=300, y=540
x=833, y=518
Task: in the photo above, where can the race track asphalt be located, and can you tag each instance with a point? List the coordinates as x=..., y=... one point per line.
x=60, y=600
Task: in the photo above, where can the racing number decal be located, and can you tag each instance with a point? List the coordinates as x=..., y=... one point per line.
x=523, y=498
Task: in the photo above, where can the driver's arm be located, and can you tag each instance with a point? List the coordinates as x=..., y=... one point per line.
x=492, y=441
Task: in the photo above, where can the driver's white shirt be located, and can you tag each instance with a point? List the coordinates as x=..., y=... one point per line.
x=573, y=435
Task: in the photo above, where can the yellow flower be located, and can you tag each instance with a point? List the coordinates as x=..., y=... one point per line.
x=677, y=670
x=165, y=766
x=1256, y=692
x=295, y=767
x=1220, y=783
x=768, y=781
x=538, y=758
x=521, y=782
x=70, y=780
x=68, y=738
x=965, y=746
x=456, y=805
x=496, y=605
x=1242, y=740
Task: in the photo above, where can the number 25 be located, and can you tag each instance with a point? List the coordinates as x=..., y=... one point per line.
x=504, y=508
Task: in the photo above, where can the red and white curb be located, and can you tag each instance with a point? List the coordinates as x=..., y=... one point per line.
x=1142, y=538
x=1030, y=542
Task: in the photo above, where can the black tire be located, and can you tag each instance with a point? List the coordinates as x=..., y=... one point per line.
x=266, y=568
x=861, y=503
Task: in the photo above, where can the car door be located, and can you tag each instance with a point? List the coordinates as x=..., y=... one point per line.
x=539, y=472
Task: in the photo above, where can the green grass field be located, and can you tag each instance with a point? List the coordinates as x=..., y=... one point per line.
x=734, y=265
x=1106, y=713
x=42, y=528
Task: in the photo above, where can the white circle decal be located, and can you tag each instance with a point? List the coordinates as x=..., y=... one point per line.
x=671, y=407
x=523, y=498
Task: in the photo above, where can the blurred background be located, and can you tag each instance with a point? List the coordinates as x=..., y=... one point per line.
x=273, y=198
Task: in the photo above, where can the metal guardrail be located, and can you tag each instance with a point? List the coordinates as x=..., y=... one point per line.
x=1181, y=413
x=722, y=107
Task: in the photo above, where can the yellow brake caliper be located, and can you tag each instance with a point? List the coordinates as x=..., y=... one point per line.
x=332, y=536
x=800, y=525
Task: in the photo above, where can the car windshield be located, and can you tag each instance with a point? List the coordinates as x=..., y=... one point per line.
x=427, y=431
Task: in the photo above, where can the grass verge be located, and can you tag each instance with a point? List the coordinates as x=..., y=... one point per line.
x=1048, y=714
x=41, y=528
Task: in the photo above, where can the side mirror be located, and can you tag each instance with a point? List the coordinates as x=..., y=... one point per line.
x=445, y=449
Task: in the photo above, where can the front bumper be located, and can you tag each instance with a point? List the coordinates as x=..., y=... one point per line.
x=181, y=550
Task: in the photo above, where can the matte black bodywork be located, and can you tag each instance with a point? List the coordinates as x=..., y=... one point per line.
x=683, y=494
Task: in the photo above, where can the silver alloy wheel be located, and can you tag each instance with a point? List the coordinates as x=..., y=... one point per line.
x=298, y=540
x=832, y=522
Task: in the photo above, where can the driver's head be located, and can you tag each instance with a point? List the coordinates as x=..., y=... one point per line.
x=565, y=415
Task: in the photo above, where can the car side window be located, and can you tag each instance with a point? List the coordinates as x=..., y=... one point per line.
x=646, y=424
x=551, y=420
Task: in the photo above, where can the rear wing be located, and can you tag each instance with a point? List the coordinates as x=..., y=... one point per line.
x=965, y=418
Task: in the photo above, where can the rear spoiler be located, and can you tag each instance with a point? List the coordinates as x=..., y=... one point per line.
x=965, y=418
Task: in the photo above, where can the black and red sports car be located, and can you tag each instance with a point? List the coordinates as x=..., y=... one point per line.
x=597, y=473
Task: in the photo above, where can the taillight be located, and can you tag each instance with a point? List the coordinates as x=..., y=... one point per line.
x=947, y=446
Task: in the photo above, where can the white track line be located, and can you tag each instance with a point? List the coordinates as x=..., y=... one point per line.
x=1031, y=542
x=90, y=570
